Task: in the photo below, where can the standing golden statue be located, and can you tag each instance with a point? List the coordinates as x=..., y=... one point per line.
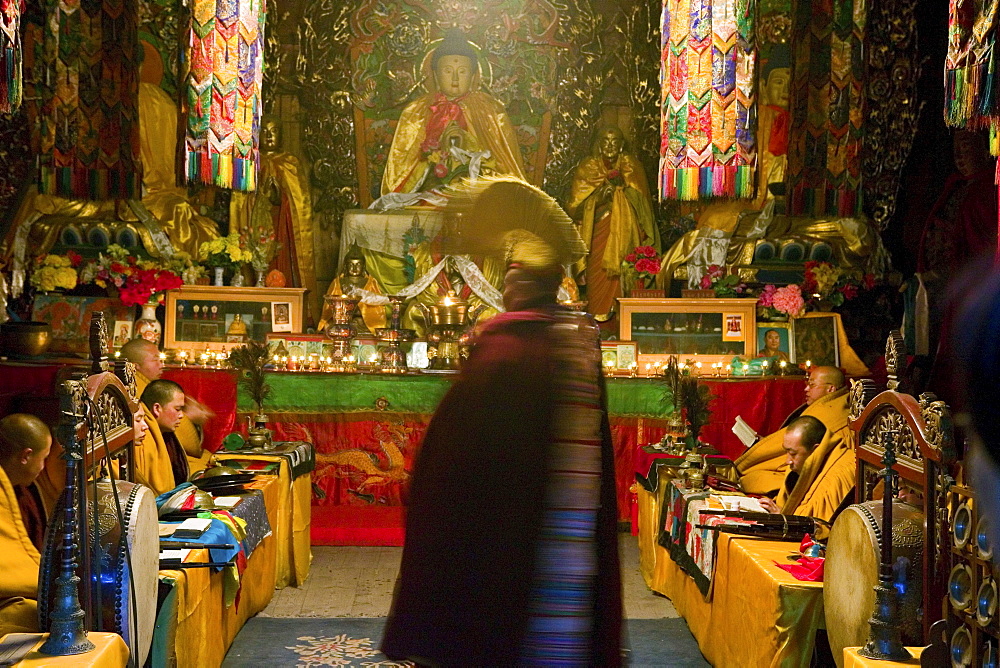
x=610, y=202
x=453, y=130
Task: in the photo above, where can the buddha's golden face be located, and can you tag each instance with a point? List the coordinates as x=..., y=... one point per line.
x=454, y=75
x=270, y=136
x=354, y=267
x=776, y=87
x=610, y=145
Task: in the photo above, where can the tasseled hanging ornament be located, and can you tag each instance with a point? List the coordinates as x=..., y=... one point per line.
x=10, y=55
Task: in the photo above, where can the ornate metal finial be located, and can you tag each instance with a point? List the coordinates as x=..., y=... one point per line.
x=895, y=358
x=862, y=392
x=66, y=633
x=98, y=343
x=884, y=639
x=938, y=427
x=125, y=370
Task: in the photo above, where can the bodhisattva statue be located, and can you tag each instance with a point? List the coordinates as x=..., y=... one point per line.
x=454, y=114
x=283, y=196
x=610, y=201
x=355, y=275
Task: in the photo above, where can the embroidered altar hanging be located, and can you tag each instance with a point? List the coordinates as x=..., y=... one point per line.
x=87, y=100
x=825, y=139
x=10, y=55
x=222, y=94
x=707, y=144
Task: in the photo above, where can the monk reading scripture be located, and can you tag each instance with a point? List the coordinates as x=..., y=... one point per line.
x=25, y=442
x=762, y=468
x=821, y=472
x=161, y=463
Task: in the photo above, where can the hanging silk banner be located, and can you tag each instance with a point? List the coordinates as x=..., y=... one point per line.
x=87, y=100
x=707, y=143
x=222, y=93
x=10, y=55
x=826, y=135
x=970, y=70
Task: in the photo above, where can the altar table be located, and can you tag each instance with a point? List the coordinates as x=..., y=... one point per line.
x=194, y=625
x=757, y=613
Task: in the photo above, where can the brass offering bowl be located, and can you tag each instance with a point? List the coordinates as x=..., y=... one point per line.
x=342, y=308
x=25, y=339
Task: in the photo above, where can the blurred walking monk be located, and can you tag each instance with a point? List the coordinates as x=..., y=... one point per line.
x=511, y=551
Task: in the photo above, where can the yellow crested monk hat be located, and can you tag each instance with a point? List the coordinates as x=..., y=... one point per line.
x=515, y=221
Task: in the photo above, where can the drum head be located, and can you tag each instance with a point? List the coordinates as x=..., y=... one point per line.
x=849, y=577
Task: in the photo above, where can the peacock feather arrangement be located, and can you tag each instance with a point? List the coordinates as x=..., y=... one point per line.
x=249, y=361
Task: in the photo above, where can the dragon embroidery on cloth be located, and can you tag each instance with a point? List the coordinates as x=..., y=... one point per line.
x=392, y=439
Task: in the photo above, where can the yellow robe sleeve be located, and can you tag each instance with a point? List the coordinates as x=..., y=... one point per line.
x=21, y=561
x=405, y=167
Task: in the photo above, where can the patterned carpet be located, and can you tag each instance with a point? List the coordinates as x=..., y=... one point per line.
x=354, y=642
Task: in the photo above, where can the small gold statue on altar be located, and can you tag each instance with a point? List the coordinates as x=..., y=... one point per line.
x=454, y=130
x=355, y=275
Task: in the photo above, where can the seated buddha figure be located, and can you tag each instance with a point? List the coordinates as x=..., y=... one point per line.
x=609, y=200
x=355, y=275
x=453, y=130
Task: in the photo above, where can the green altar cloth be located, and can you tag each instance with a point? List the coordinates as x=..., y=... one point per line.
x=304, y=392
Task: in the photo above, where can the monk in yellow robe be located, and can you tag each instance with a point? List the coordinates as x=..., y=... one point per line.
x=161, y=463
x=762, y=468
x=610, y=201
x=355, y=275
x=453, y=114
x=25, y=442
x=149, y=367
x=821, y=476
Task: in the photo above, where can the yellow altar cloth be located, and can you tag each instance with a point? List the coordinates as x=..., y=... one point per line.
x=110, y=651
x=291, y=532
x=853, y=660
x=759, y=615
x=205, y=627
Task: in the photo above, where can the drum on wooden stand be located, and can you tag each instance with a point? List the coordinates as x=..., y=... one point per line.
x=128, y=549
x=852, y=568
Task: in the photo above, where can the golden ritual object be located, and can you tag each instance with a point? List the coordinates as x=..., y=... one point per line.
x=391, y=358
x=447, y=322
x=339, y=329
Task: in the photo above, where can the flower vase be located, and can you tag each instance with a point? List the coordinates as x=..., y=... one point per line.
x=220, y=274
x=147, y=326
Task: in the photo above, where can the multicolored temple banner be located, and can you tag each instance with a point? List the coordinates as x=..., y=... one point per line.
x=10, y=55
x=824, y=152
x=222, y=93
x=707, y=147
x=972, y=99
x=87, y=101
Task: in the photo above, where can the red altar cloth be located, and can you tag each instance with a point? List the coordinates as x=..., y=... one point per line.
x=19, y=382
x=216, y=388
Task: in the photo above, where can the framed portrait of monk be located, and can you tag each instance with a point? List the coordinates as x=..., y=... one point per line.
x=700, y=330
x=815, y=339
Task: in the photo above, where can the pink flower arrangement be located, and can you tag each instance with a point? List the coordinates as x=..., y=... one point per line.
x=788, y=300
x=711, y=276
x=644, y=260
x=767, y=296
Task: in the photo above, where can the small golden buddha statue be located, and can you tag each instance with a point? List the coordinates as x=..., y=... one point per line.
x=355, y=275
x=237, y=328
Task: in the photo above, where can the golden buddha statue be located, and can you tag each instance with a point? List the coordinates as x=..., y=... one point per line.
x=355, y=275
x=454, y=114
x=610, y=202
x=237, y=329
x=283, y=196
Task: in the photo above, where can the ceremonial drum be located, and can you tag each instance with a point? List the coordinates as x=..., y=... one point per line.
x=852, y=567
x=129, y=548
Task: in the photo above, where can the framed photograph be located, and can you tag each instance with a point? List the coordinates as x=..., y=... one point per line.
x=121, y=334
x=69, y=316
x=301, y=345
x=281, y=319
x=701, y=330
x=774, y=339
x=815, y=339
x=200, y=317
x=617, y=357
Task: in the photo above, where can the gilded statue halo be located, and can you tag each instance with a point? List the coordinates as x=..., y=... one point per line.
x=484, y=74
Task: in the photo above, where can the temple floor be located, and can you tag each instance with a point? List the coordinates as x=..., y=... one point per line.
x=358, y=582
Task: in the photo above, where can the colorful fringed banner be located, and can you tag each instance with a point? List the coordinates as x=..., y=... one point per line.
x=86, y=103
x=824, y=152
x=223, y=105
x=972, y=98
x=10, y=55
x=707, y=143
